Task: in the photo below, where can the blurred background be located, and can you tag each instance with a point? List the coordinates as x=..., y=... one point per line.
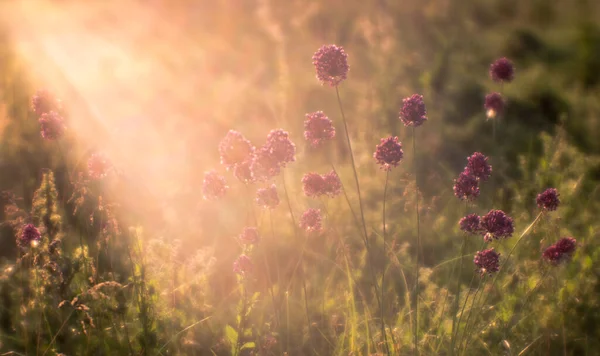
x=157, y=84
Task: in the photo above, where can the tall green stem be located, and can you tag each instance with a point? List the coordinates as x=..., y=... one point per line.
x=416, y=326
x=383, y=332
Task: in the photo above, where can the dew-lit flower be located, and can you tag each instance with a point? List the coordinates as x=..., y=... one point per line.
x=51, y=125
x=466, y=186
x=497, y=225
x=471, y=224
x=487, y=261
x=98, y=166
x=388, y=153
x=243, y=171
x=281, y=147
x=478, y=166
x=311, y=220
x=318, y=128
x=29, y=235
x=413, y=111
x=214, y=186
x=267, y=197
x=333, y=184
x=242, y=265
x=264, y=165
x=548, y=200
x=331, y=64
x=561, y=251
x=249, y=236
x=494, y=104
x=44, y=101
x=234, y=148
x=502, y=70
x=313, y=184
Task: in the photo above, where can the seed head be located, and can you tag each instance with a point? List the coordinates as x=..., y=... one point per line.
x=413, y=111
x=214, y=186
x=267, y=197
x=487, y=261
x=331, y=64
x=388, y=153
x=502, y=70
x=466, y=186
x=548, y=199
x=478, y=166
x=318, y=128
x=497, y=225
x=311, y=220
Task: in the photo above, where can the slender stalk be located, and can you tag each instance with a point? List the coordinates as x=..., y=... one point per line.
x=384, y=258
x=242, y=321
x=473, y=303
x=416, y=325
x=457, y=299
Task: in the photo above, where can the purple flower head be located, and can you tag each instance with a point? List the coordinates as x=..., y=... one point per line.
x=471, y=224
x=51, y=125
x=333, y=185
x=388, y=153
x=561, y=251
x=311, y=220
x=487, y=261
x=494, y=104
x=29, y=235
x=466, y=186
x=502, y=70
x=331, y=64
x=413, y=111
x=497, y=225
x=478, y=166
x=242, y=265
x=98, y=166
x=313, y=185
x=281, y=147
x=548, y=200
x=214, y=186
x=318, y=128
x=44, y=101
x=249, y=236
x=264, y=165
x=243, y=171
x=234, y=148
x=267, y=197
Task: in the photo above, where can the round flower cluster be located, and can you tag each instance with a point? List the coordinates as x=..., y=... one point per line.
x=494, y=104
x=331, y=64
x=413, y=111
x=315, y=185
x=234, y=149
x=98, y=166
x=502, y=70
x=548, y=199
x=478, y=166
x=249, y=236
x=281, y=148
x=388, y=153
x=29, y=235
x=267, y=197
x=466, y=186
x=243, y=265
x=471, y=224
x=311, y=220
x=561, y=251
x=214, y=186
x=318, y=128
x=487, y=261
x=497, y=225
x=51, y=125
x=44, y=101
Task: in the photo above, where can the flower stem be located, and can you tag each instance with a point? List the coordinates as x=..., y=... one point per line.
x=384, y=258
x=416, y=325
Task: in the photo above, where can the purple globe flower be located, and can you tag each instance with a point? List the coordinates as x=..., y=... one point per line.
x=243, y=171
x=548, y=200
x=281, y=147
x=478, y=166
x=413, y=111
x=494, y=104
x=487, y=261
x=267, y=197
x=44, y=101
x=502, y=70
x=561, y=251
x=466, y=186
x=98, y=166
x=264, y=165
x=471, y=224
x=331, y=64
x=214, y=186
x=313, y=185
x=388, y=153
x=318, y=128
x=249, y=236
x=51, y=125
x=333, y=184
x=497, y=225
x=234, y=149
x=29, y=234
x=311, y=220
x=243, y=265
